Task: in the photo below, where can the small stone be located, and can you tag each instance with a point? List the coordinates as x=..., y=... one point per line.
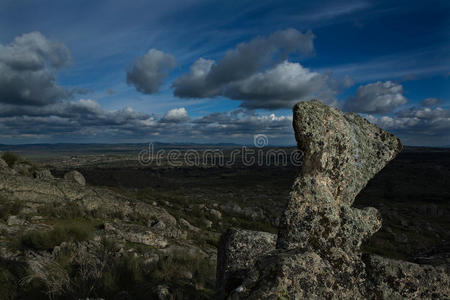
x=162, y=292
x=208, y=223
x=188, y=225
x=75, y=176
x=15, y=220
x=43, y=174
x=186, y=274
x=151, y=260
x=215, y=213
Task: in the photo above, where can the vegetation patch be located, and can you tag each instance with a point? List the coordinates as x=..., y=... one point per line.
x=63, y=232
x=9, y=208
x=10, y=158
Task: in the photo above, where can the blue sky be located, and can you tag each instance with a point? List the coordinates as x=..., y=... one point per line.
x=126, y=76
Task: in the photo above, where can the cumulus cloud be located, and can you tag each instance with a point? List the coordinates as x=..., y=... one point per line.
x=431, y=102
x=176, y=115
x=193, y=84
x=238, y=72
x=378, y=97
x=72, y=118
x=27, y=70
x=149, y=71
x=279, y=87
x=418, y=126
x=243, y=122
x=86, y=119
x=248, y=58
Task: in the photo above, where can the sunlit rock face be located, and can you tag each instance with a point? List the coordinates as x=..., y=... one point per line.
x=317, y=253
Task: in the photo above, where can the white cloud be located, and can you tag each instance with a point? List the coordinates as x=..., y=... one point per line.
x=378, y=97
x=280, y=87
x=418, y=126
x=241, y=69
x=431, y=102
x=85, y=118
x=176, y=115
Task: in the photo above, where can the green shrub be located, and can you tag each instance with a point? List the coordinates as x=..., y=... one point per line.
x=123, y=275
x=10, y=158
x=11, y=272
x=8, y=283
x=69, y=210
x=169, y=267
x=8, y=208
x=47, y=240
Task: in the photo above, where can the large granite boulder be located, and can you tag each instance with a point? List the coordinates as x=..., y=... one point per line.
x=317, y=252
x=341, y=153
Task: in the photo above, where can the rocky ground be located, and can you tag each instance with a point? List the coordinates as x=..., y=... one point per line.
x=132, y=231
x=61, y=238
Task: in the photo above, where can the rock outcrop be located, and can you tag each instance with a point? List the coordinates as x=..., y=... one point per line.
x=317, y=253
x=64, y=239
x=38, y=193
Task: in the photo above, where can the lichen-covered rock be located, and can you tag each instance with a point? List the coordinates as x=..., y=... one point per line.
x=238, y=250
x=36, y=194
x=14, y=220
x=135, y=234
x=296, y=274
x=395, y=279
x=341, y=153
x=317, y=253
x=75, y=176
x=189, y=226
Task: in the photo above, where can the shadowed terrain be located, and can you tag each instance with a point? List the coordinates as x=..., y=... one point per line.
x=411, y=194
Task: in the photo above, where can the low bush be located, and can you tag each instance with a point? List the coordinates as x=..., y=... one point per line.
x=11, y=274
x=169, y=268
x=47, y=240
x=10, y=158
x=69, y=210
x=9, y=207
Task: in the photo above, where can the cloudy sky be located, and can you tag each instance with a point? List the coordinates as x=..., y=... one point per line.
x=219, y=71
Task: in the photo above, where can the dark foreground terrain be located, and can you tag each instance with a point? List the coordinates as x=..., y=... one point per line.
x=412, y=193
